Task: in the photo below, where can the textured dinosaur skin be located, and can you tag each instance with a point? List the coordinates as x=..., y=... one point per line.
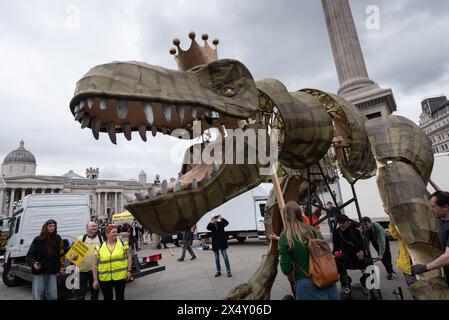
x=121, y=97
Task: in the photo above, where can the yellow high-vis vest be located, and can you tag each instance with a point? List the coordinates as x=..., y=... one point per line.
x=112, y=265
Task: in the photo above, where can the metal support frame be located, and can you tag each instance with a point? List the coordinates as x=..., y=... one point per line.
x=355, y=200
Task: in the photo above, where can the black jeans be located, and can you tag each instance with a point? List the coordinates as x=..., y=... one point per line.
x=187, y=246
x=351, y=263
x=118, y=285
x=86, y=278
x=134, y=241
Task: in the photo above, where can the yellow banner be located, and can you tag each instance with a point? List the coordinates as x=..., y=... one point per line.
x=78, y=249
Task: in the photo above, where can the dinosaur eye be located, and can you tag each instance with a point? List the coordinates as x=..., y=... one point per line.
x=227, y=91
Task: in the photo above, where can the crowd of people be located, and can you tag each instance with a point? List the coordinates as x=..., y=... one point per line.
x=350, y=245
x=106, y=266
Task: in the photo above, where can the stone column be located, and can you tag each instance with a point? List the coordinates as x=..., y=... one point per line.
x=33, y=190
x=121, y=202
x=348, y=56
x=11, y=202
x=23, y=194
x=115, y=202
x=98, y=204
x=105, y=204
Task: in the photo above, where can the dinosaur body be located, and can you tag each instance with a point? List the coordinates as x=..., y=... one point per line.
x=121, y=97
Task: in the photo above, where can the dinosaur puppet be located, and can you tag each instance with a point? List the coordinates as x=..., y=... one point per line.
x=121, y=97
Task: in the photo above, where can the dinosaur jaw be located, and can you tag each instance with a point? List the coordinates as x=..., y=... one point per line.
x=176, y=205
x=174, y=209
x=134, y=96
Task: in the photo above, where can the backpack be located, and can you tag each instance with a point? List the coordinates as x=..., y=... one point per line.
x=322, y=267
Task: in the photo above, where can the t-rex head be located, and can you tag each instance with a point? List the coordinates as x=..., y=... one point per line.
x=121, y=97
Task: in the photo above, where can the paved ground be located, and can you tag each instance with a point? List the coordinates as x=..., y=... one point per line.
x=191, y=280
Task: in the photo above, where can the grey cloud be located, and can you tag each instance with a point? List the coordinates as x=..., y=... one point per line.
x=283, y=39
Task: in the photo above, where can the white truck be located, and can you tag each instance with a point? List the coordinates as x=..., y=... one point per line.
x=244, y=214
x=368, y=194
x=72, y=213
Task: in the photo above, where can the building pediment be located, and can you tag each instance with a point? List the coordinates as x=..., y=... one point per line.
x=29, y=179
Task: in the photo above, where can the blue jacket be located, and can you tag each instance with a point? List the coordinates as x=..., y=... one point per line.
x=380, y=236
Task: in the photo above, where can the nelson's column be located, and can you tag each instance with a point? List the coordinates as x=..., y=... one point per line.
x=355, y=85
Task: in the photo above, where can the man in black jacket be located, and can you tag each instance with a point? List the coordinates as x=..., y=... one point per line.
x=349, y=252
x=219, y=242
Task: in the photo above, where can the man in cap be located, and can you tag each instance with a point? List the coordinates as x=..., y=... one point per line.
x=349, y=252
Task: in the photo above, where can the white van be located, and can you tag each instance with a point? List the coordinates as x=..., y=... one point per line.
x=244, y=214
x=70, y=211
x=368, y=195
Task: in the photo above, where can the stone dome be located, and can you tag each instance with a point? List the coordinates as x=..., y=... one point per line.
x=20, y=155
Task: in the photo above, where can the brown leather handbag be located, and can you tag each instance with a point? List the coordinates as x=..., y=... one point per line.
x=322, y=267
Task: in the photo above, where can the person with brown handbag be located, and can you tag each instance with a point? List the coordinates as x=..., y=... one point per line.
x=303, y=250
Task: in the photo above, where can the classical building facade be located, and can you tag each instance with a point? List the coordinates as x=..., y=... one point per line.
x=18, y=178
x=434, y=120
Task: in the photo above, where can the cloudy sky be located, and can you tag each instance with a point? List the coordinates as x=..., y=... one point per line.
x=46, y=47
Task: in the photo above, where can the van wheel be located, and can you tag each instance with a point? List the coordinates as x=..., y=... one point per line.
x=241, y=239
x=9, y=279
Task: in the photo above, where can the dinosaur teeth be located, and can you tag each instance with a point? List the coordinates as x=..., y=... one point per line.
x=85, y=122
x=142, y=131
x=77, y=108
x=96, y=124
x=139, y=196
x=194, y=112
x=166, y=110
x=153, y=130
x=111, y=132
x=207, y=176
x=148, y=110
x=79, y=115
x=127, y=198
x=194, y=184
x=177, y=187
x=215, y=114
x=103, y=104
x=82, y=104
x=90, y=102
x=164, y=187
x=151, y=193
x=127, y=131
x=180, y=111
x=164, y=130
x=215, y=166
x=122, y=109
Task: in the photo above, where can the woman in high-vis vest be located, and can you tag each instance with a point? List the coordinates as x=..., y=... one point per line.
x=112, y=266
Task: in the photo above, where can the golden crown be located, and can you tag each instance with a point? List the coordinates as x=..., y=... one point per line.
x=195, y=55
